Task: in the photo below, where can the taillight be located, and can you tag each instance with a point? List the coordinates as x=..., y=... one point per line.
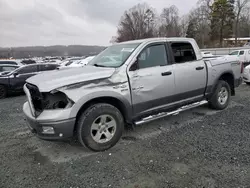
x=242, y=67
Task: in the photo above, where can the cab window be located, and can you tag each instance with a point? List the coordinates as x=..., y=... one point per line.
x=153, y=56
x=241, y=52
x=234, y=53
x=183, y=52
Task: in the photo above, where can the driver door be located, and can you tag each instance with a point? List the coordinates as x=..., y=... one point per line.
x=152, y=81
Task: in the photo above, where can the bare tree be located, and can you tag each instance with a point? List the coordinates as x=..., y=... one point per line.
x=239, y=6
x=199, y=25
x=170, y=20
x=184, y=22
x=137, y=23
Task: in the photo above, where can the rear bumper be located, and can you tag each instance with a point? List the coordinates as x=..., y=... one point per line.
x=63, y=129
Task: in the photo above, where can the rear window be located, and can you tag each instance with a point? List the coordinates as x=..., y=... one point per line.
x=183, y=52
x=8, y=62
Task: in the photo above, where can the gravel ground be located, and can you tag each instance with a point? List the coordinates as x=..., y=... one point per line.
x=197, y=148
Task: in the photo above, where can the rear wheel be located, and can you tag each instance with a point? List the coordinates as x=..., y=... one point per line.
x=3, y=92
x=100, y=127
x=221, y=96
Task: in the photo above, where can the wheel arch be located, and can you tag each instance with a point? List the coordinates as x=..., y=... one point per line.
x=227, y=77
x=112, y=98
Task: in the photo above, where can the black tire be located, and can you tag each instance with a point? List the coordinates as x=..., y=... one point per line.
x=214, y=101
x=3, y=92
x=84, y=124
x=248, y=83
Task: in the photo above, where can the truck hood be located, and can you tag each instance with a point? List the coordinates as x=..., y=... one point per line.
x=55, y=79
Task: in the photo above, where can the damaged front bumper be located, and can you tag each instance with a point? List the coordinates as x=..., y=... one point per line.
x=51, y=124
x=48, y=122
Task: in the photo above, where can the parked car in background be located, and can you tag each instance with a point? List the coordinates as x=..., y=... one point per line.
x=56, y=60
x=132, y=82
x=243, y=55
x=69, y=61
x=28, y=61
x=246, y=75
x=206, y=54
x=13, y=81
x=82, y=62
x=11, y=62
x=7, y=68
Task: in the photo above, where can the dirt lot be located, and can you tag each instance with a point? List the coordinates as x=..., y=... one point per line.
x=197, y=148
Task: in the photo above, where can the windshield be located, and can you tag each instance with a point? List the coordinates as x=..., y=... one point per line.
x=234, y=53
x=114, y=56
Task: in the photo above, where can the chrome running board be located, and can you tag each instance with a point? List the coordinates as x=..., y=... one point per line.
x=164, y=114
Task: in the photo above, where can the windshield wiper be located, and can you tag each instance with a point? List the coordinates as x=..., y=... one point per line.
x=98, y=65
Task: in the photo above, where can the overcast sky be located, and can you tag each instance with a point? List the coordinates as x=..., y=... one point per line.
x=65, y=22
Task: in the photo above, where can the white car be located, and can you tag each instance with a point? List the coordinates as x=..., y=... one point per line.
x=82, y=62
x=246, y=75
x=69, y=61
x=243, y=55
x=206, y=54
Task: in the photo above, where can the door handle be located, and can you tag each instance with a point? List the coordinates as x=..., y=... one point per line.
x=166, y=73
x=199, y=68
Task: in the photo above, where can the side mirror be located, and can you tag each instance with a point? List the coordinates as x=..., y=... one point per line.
x=15, y=74
x=135, y=66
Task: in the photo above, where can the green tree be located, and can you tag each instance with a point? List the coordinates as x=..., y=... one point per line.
x=222, y=19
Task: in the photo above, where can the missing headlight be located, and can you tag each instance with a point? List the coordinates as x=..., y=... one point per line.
x=56, y=100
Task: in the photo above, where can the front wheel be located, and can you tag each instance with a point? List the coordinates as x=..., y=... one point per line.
x=221, y=96
x=100, y=127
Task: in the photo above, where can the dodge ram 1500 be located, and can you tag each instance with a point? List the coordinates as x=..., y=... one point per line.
x=131, y=82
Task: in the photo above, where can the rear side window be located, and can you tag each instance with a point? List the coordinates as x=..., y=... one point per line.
x=153, y=56
x=183, y=52
x=241, y=52
x=48, y=67
x=28, y=69
x=8, y=62
x=8, y=68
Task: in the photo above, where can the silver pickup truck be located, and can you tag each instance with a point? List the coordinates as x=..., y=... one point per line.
x=128, y=83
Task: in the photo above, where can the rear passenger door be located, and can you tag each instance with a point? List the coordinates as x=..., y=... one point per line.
x=190, y=72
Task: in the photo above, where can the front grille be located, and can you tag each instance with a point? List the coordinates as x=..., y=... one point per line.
x=36, y=98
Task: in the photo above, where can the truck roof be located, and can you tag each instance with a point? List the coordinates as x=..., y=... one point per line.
x=169, y=39
x=158, y=39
